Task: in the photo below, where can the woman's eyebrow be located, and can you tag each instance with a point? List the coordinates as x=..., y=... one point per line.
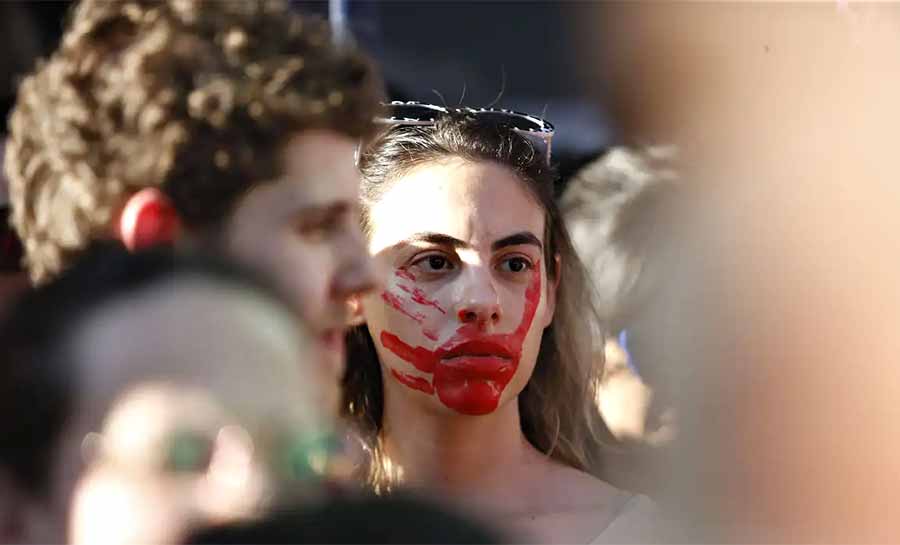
x=525, y=237
x=434, y=238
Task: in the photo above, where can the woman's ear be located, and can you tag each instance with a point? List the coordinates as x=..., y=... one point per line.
x=148, y=219
x=355, y=311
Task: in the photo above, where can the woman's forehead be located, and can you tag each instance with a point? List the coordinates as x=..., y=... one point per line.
x=474, y=202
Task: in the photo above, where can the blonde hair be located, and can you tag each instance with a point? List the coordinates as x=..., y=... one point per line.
x=194, y=97
x=557, y=408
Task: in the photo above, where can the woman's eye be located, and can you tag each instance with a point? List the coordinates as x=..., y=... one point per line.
x=434, y=263
x=437, y=262
x=515, y=265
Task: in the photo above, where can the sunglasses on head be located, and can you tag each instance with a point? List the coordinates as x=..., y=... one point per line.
x=417, y=114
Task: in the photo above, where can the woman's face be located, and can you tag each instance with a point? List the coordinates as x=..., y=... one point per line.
x=458, y=325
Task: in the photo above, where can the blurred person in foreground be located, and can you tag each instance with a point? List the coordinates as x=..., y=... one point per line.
x=785, y=345
x=226, y=125
x=616, y=209
x=145, y=393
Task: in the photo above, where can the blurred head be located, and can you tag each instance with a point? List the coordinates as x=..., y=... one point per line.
x=782, y=304
x=164, y=391
x=614, y=208
x=484, y=301
x=618, y=209
x=231, y=123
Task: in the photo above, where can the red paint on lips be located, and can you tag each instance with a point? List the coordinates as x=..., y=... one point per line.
x=495, y=368
x=472, y=369
x=481, y=359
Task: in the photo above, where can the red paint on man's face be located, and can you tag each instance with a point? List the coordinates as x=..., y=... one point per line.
x=471, y=369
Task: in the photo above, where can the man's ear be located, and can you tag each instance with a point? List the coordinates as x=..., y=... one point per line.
x=148, y=219
x=355, y=314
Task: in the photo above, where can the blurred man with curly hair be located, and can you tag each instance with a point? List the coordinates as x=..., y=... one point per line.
x=231, y=124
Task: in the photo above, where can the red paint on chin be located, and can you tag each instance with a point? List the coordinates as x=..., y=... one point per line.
x=471, y=369
x=416, y=383
x=472, y=397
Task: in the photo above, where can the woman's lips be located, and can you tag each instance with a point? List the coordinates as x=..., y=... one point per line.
x=475, y=347
x=493, y=368
x=475, y=359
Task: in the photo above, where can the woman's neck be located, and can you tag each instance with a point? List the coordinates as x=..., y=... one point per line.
x=454, y=453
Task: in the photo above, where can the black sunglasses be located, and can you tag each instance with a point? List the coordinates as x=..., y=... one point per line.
x=423, y=115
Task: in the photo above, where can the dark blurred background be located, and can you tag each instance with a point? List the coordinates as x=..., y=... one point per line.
x=28, y=31
x=515, y=55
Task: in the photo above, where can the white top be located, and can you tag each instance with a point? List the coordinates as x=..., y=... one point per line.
x=637, y=522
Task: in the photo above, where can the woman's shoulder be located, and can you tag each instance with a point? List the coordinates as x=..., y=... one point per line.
x=636, y=521
x=582, y=490
x=606, y=514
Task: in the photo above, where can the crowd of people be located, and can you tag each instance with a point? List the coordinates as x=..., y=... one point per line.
x=247, y=298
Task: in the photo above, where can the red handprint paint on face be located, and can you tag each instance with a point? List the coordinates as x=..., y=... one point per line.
x=416, y=383
x=471, y=369
x=397, y=304
x=419, y=296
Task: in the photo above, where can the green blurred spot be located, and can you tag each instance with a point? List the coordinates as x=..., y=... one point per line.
x=188, y=452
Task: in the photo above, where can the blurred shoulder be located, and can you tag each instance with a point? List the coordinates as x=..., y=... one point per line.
x=637, y=521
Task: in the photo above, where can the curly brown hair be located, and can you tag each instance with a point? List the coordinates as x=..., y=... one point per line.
x=193, y=97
